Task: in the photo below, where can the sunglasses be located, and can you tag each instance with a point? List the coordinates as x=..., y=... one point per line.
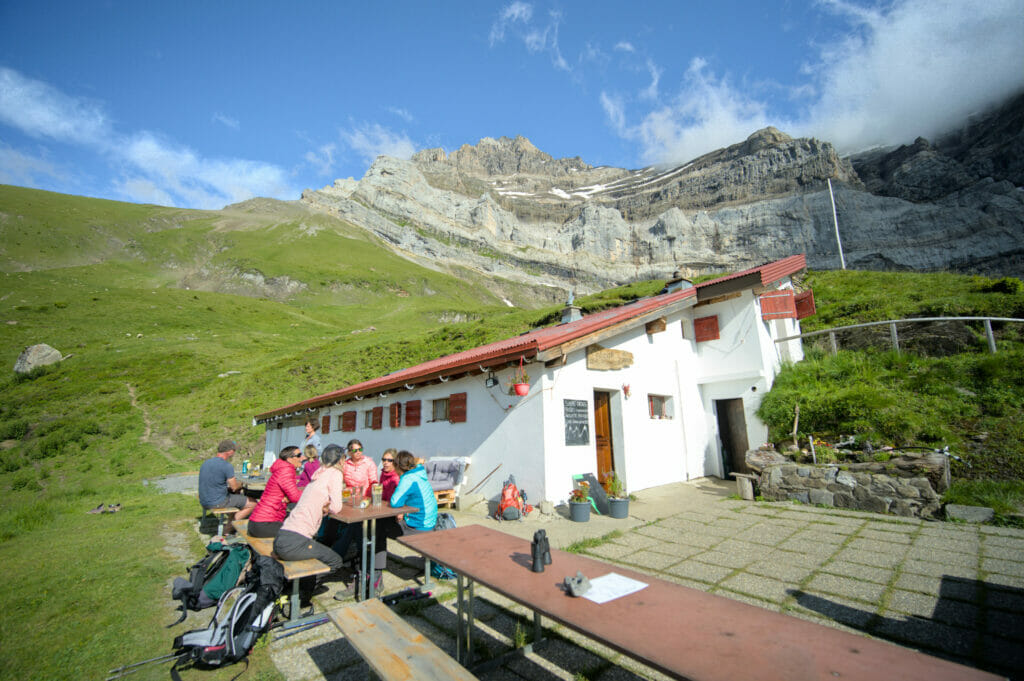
x=355, y=449
x=388, y=460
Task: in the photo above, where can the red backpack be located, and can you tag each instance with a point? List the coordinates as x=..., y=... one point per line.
x=512, y=505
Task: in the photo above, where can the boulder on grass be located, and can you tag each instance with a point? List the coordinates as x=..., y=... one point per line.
x=36, y=356
x=969, y=514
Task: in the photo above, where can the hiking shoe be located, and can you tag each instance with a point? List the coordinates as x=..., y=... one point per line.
x=98, y=509
x=348, y=592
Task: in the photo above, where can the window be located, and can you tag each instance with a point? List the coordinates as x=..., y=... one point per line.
x=325, y=424
x=412, y=413
x=368, y=418
x=395, y=414
x=659, y=406
x=347, y=422
x=440, y=410
x=705, y=328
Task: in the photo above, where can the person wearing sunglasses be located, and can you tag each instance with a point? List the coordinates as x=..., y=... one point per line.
x=359, y=472
x=271, y=510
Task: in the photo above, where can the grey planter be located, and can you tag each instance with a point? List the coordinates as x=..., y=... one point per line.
x=579, y=511
x=618, y=508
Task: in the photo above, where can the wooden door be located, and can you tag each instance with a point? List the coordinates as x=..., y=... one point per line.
x=603, y=436
x=732, y=431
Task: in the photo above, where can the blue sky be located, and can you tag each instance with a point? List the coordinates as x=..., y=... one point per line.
x=201, y=104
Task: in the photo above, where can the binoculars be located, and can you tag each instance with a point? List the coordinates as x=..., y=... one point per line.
x=540, y=550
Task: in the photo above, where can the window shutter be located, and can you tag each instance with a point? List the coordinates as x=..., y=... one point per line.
x=395, y=415
x=378, y=418
x=412, y=413
x=805, y=304
x=706, y=328
x=325, y=424
x=778, y=305
x=348, y=421
x=457, y=407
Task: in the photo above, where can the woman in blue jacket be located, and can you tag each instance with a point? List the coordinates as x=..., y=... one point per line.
x=414, y=490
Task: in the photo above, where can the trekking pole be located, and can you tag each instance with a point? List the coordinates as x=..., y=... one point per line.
x=477, y=485
x=122, y=670
x=305, y=627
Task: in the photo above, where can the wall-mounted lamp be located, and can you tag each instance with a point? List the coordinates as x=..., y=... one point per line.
x=492, y=380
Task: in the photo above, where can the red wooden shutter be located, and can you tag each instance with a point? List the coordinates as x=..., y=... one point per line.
x=412, y=413
x=325, y=424
x=457, y=407
x=777, y=305
x=348, y=422
x=395, y=415
x=378, y=418
x=805, y=304
x=706, y=328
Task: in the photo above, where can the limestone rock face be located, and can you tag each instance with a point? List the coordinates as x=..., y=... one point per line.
x=507, y=208
x=36, y=356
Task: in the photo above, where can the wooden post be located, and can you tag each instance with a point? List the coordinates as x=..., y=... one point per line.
x=895, y=338
x=796, y=422
x=991, y=338
x=832, y=342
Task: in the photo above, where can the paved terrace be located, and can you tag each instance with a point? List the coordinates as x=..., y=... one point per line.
x=952, y=590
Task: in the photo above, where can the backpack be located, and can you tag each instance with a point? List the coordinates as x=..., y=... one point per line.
x=512, y=505
x=243, y=614
x=222, y=568
x=445, y=521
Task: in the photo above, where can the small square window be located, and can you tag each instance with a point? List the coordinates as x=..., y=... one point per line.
x=368, y=418
x=659, y=406
x=440, y=410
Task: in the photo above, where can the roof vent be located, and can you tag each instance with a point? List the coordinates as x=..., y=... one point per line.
x=571, y=312
x=677, y=283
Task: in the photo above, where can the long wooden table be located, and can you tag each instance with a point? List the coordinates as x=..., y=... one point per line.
x=682, y=632
x=368, y=517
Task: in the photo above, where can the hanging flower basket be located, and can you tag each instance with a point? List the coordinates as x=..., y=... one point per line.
x=519, y=382
x=521, y=389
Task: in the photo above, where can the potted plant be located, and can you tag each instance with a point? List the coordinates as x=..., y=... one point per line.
x=579, y=502
x=519, y=383
x=618, y=500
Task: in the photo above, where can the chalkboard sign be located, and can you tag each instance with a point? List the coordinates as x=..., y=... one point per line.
x=577, y=422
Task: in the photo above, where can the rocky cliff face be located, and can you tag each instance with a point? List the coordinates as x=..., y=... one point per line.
x=507, y=208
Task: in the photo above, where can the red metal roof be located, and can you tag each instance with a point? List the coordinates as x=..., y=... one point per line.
x=526, y=345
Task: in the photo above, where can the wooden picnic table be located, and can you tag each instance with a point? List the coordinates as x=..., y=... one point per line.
x=368, y=517
x=682, y=632
x=253, y=483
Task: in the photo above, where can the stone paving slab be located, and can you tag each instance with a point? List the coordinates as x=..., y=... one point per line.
x=904, y=580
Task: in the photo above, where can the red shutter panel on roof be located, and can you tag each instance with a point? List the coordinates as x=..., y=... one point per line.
x=778, y=305
x=457, y=407
x=805, y=304
x=348, y=422
x=325, y=424
x=412, y=413
x=395, y=414
x=705, y=328
x=378, y=418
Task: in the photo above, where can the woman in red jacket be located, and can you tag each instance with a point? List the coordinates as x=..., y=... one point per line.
x=265, y=520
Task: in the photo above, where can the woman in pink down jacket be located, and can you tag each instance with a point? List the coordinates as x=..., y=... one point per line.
x=272, y=508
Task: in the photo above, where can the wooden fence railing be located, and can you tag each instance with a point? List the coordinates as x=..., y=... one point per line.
x=895, y=337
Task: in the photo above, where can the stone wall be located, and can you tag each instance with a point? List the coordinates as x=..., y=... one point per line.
x=853, y=489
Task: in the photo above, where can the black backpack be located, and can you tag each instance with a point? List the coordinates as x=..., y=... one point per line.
x=222, y=568
x=243, y=614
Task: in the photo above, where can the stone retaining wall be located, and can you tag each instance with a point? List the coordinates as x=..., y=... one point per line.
x=860, y=490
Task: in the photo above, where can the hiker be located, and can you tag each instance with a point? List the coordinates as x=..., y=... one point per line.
x=414, y=490
x=310, y=465
x=312, y=437
x=218, y=486
x=271, y=510
x=359, y=472
x=295, y=540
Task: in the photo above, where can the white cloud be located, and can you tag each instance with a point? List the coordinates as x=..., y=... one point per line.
x=916, y=67
x=517, y=12
x=401, y=113
x=151, y=168
x=624, y=46
x=25, y=170
x=373, y=140
x=651, y=91
x=321, y=158
x=39, y=110
x=226, y=120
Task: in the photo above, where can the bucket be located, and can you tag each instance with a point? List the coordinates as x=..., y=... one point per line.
x=579, y=511
x=618, y=508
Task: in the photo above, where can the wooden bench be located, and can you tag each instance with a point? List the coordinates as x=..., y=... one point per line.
x=294, y=570
x=221, y=512
x=394, y=649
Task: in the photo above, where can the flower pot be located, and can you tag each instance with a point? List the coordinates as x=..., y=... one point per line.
x=579, y=511
x=618, y=508
x=522, y=389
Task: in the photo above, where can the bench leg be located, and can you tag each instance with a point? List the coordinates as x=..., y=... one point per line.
x=294, y=618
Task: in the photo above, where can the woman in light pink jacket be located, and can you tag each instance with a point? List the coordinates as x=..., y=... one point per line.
x=295, y=540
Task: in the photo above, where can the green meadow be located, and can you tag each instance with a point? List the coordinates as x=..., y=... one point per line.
x=178, y=326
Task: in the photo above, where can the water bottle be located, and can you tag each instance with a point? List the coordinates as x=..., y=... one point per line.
x=245, y=466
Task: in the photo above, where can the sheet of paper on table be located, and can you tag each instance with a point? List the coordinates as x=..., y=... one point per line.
x=611, y=586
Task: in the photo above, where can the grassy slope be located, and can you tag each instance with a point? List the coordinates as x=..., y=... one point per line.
x=109, y=272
